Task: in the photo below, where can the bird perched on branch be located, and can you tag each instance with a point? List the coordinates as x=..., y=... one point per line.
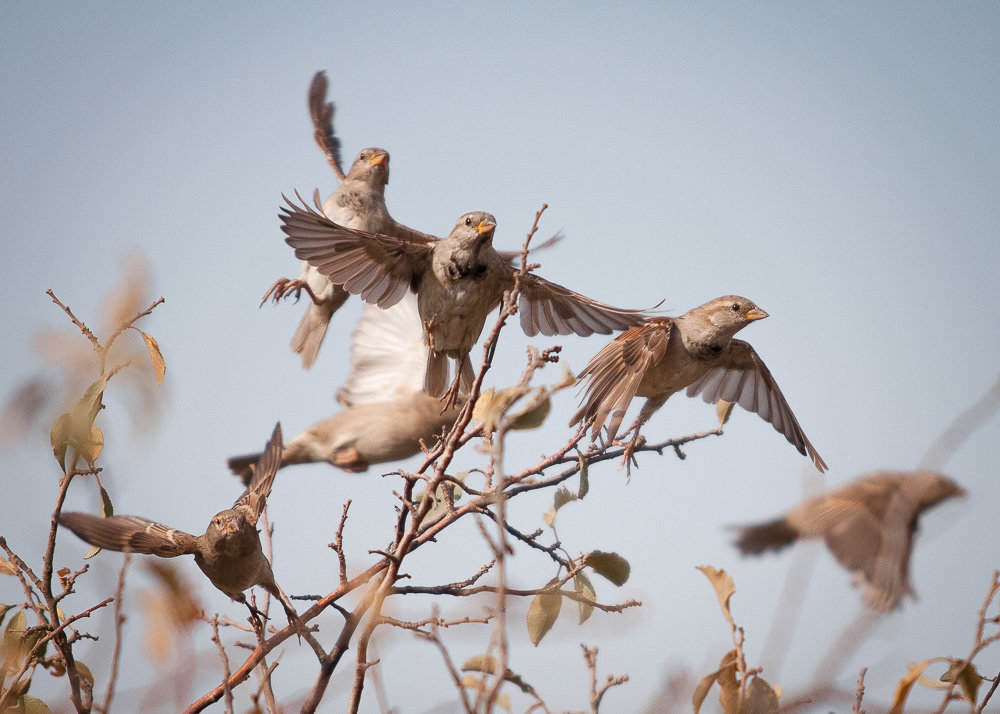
x=868, y=525
x=387, y=414
x=695, y=351
x=229, y=552
x=458, y=281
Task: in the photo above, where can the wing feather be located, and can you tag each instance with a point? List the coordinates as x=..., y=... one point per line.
x=742, y=378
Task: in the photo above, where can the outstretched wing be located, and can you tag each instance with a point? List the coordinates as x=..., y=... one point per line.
x=253, y=499
x=130, y=534
x=551, y=309
x=321, y=113
x=613, y=374
x=743, y=378
x=377, y=267
x=388, y=355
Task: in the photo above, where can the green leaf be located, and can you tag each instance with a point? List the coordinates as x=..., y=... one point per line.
x=561, y=498
x=542, y=612
x=609, y=565
x=533, y=416
x=15, y=630
x=32, y=705
x=489, y=665
x=84, y=672
x=584, y=588
x=107, y=510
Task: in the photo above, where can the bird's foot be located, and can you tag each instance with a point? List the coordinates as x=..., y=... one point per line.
x=628, y=455
x=450, y=398
x=283, y=287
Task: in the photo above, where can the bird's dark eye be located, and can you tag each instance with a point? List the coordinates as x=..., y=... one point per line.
x=736, y=307
x=468, y=221
x=362, y=156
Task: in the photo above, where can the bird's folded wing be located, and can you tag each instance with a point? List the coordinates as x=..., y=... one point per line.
x=742, y=378
x=321, y=113
x=379, y=268
x=255, y=495
x=613, y=374
x=130, y=534
x=551, y=309
x=388, y=355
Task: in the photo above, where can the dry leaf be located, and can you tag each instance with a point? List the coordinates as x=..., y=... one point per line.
x=159, y=366
x=724, y=588
x=905, y=684
x=584, y=588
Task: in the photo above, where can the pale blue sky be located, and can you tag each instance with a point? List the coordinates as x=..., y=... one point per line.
x=835, y=162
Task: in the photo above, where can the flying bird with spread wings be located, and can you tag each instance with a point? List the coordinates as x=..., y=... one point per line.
x=229, y=552
x=695, y=351
x=458, y=280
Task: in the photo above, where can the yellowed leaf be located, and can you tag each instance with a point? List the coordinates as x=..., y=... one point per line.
x=470, y=682
x=760, y=698
x=543, y=612
x=723, y=410
x=59, y=437
x=585, y=589
x=905, y=684
x=702, y=690
x=724, y=588
x=481, y=663
x=159, y=366
x=7, y=568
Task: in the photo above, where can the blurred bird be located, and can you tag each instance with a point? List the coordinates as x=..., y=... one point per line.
x=229, y=552
x=868, y=525
x=458, y=281
x=387, y=414
x=697, y=351
x=358, y=202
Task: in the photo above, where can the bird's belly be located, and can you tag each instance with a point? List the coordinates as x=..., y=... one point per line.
x=454, y=314
x=669, y=376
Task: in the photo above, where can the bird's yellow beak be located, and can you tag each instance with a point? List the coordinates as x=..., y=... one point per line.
x=754, y=314
x=485, y=227
x=232, y=526
x=378, y=158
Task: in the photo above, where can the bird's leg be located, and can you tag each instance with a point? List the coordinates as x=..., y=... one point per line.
x=257, y=618
x=450, y=397
x=283, y=287
x=628, y=457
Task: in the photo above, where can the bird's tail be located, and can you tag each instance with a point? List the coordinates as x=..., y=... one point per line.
x=774, y=535
x=436, y=377
x=310, y=333
x=242, y=466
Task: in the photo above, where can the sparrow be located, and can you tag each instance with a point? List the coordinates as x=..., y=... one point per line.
x=868, y=525
x=229, y=553
x=695, y=351
x=458, y=281
x=358, y=202
x=387, y=413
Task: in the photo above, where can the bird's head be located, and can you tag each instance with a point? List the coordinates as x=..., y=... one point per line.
x=227, y=524
x=731, y=313
x=477, y=226
x=371, y=166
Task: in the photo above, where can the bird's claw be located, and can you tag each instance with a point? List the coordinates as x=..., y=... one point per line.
x=283, y=287
x=628, y=455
